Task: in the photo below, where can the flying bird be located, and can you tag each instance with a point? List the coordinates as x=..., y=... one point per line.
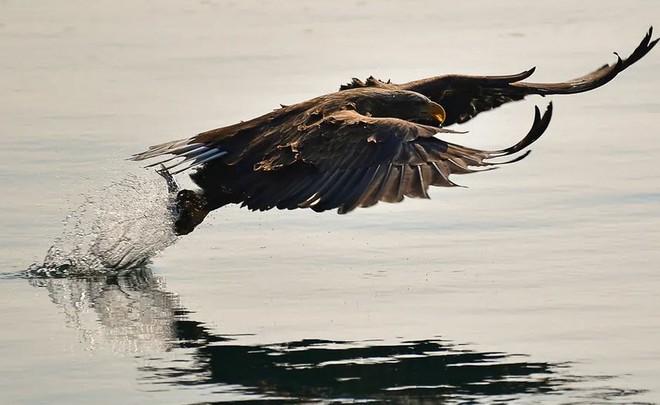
x=370, y=141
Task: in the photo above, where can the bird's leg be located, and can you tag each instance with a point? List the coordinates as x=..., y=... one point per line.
x=172, y=185
x=188, y=207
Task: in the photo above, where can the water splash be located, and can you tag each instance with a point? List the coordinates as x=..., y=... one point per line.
x=119, y=227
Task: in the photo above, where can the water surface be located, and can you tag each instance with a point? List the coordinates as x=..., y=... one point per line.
x=538, y=283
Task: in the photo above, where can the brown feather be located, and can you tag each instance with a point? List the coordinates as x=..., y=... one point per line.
x=369, y=142
x=464, y=97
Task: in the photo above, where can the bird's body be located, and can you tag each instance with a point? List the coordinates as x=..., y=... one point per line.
x=371, y=141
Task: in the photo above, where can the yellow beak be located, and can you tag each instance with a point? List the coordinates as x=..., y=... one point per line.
x=438, y=112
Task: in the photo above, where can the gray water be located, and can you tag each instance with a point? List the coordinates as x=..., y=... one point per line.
x=537, y=284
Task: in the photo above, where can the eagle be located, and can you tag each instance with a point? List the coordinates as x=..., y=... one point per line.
x=370, y=141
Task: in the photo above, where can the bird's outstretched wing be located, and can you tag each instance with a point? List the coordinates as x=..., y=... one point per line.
x=463, y=97
x=343, y=160
x=350, y=161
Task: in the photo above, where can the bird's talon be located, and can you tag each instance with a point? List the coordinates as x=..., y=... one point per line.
x=172, y=185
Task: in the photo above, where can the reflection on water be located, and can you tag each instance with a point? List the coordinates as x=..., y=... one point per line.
x=348, y=371
x=130, y=312
x=133, y=313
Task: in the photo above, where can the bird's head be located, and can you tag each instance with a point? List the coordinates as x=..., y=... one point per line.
x=405, y=105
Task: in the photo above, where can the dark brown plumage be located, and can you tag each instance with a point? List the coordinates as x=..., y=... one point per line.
x=371, y=141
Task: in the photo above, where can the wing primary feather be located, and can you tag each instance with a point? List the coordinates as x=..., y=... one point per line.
x=331, y=197
x=539, y=126
x=506, y=162
x=371, y=194
x=421, y=191
x=594, y=79
x=198, y=158
x=293, y=185
x=175, y=147
x=304, y=192
x=337, y=195
x=202, y=161
x=464, y=97
x=389, y=186
x=444, y=178
x=404, y=181
x=360, y=190
x=329, y=183
x=182, y=152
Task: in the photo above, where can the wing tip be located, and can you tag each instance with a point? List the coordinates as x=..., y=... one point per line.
x=649, y=34
x=539, y=126
x=644, y=47
x=527, y=73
